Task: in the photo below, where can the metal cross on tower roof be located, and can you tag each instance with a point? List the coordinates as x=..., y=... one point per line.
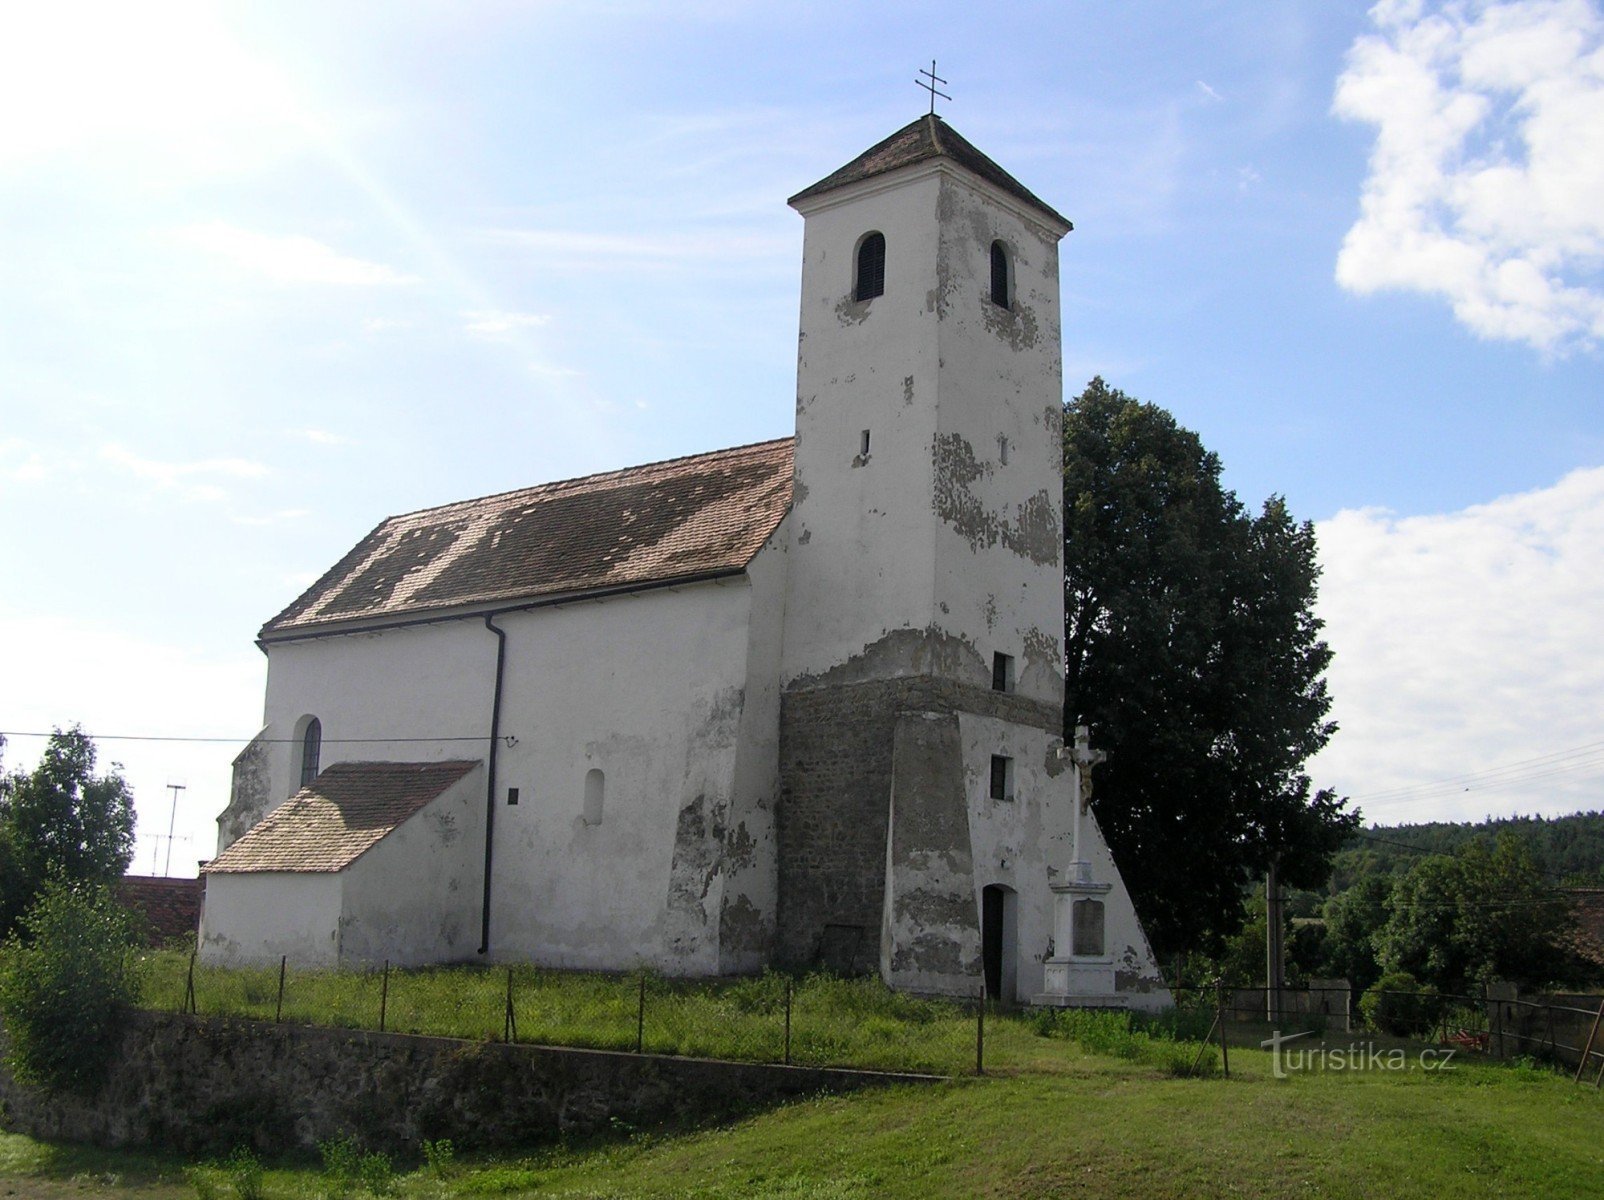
x=931, y=85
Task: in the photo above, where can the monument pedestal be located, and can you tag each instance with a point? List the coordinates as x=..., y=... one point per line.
x=1083, y=978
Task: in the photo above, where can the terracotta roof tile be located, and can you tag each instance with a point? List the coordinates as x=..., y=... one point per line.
x=339, y=816
x=926, y=138
x=680, y=518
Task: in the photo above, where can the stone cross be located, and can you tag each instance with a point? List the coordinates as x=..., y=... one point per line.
x=1084, y=759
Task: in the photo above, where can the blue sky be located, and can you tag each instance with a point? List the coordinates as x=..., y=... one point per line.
x=269, y=273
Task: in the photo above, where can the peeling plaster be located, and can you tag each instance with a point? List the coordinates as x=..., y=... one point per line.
x=852, y=312
x=907, y=389
x=1016, y=325
x=906, y=652
x=1033, y=535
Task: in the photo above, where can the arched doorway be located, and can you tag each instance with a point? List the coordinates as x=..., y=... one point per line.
x=999, y=941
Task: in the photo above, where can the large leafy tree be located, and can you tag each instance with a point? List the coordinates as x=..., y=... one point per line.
x=61, y=822
x=1485, y=912
x=1193, y=651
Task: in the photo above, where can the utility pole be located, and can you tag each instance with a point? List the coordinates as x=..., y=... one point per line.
x=172, y=820
x=1274, y=945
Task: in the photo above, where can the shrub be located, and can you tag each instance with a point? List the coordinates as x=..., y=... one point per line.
x=1398, y=1004
x=66, y=985
x=439, y=1156
x=342, y=1159
x=244, y=1171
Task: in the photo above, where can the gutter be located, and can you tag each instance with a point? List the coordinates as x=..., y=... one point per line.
x=490, y=776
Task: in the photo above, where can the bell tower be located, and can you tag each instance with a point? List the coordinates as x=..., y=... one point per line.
x=924, y=802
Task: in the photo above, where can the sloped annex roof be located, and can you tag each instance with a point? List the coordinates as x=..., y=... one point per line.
x=683, y=518
x=339, y=816
x=926, y=138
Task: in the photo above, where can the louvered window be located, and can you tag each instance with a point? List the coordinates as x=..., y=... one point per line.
x=871, y=280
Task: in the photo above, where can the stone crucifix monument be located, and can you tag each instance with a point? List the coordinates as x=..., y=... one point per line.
x=1080, y=974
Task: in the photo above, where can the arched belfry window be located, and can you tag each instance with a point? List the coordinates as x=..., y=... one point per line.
x=311, y=750
x=1001, y=293
x=871, y=277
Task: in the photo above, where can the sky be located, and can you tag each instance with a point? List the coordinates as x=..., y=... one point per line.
x=271, y=272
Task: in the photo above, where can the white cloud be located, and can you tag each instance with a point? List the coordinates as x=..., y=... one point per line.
x=20, y=462
x=1486, y=182
x=1210, y=92
x=494, y=324
x=188, y=479
x=290, y=258
x=1464, y=642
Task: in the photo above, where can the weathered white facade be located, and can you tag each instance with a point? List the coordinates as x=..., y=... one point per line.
x=793, y=703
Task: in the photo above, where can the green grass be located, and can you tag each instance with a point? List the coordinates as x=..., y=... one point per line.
x=834, y=1022
x=1067, y=1122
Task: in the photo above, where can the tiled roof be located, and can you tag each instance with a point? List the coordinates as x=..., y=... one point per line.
x=677, y=519
x=339, y=816
x=170, y=907
x=926, y=138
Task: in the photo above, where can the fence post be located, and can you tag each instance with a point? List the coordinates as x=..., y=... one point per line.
x=189, y=986
x=278, y=1010
x=509, y=1030
x=384, y=997
x=787, y=1020
x=1581, y=1063
x=1225, y=1053
x=640, y=1016
x=980, y=1033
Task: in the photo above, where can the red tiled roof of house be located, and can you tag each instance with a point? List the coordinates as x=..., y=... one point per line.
x=339, y=816
x=926, y=138
x=683, y=518
x=170, y=907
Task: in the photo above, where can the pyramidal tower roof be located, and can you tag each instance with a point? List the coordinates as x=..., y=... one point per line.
x=926, y=138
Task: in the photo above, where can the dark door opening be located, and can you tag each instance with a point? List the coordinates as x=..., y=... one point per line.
x=997, y=937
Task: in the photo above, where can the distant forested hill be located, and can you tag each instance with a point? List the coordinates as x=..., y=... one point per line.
x=1568, y=850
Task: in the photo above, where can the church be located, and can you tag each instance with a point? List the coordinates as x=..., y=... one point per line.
x=794, y=704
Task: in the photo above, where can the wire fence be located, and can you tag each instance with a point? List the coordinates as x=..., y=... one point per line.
x=812, y=1020
x=1564, y=1030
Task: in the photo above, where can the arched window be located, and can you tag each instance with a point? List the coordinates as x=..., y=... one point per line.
x=1001, y=292
x=311, y=750
x=595, y=788
x=871, y=281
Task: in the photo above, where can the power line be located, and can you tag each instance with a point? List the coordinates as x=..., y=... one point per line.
x=1540, y=766
x=151, y=737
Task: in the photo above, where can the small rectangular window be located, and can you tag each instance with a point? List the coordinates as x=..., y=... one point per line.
x=1002, y=777
x=512, y=795
x=1002, y=672
x=863, y=444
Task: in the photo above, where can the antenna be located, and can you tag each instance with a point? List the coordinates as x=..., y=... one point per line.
x=931, y=86
x=172, y=820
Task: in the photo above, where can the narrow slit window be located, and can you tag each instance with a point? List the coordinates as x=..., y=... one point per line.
x=1002, y=672
x=1002, y=449
x=871, y=281
x=311, y=750
x=863, y=445
x=595, y=789
x=1001, y=293
x=512, y=796
x=1002, y=777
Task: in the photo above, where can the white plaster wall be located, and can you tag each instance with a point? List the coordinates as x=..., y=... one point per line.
x=861, y=559
x=254, y=917
x=430, y=685
x=1027, y=844
x=651, y=689
x=999, y=582
x=750, y=881
x=414, y=898
x=1020, y=842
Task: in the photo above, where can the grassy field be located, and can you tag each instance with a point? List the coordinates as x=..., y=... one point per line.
x=1063, y=1121
x=833, y=1022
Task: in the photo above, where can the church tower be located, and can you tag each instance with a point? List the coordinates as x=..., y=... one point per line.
x=924, y=796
